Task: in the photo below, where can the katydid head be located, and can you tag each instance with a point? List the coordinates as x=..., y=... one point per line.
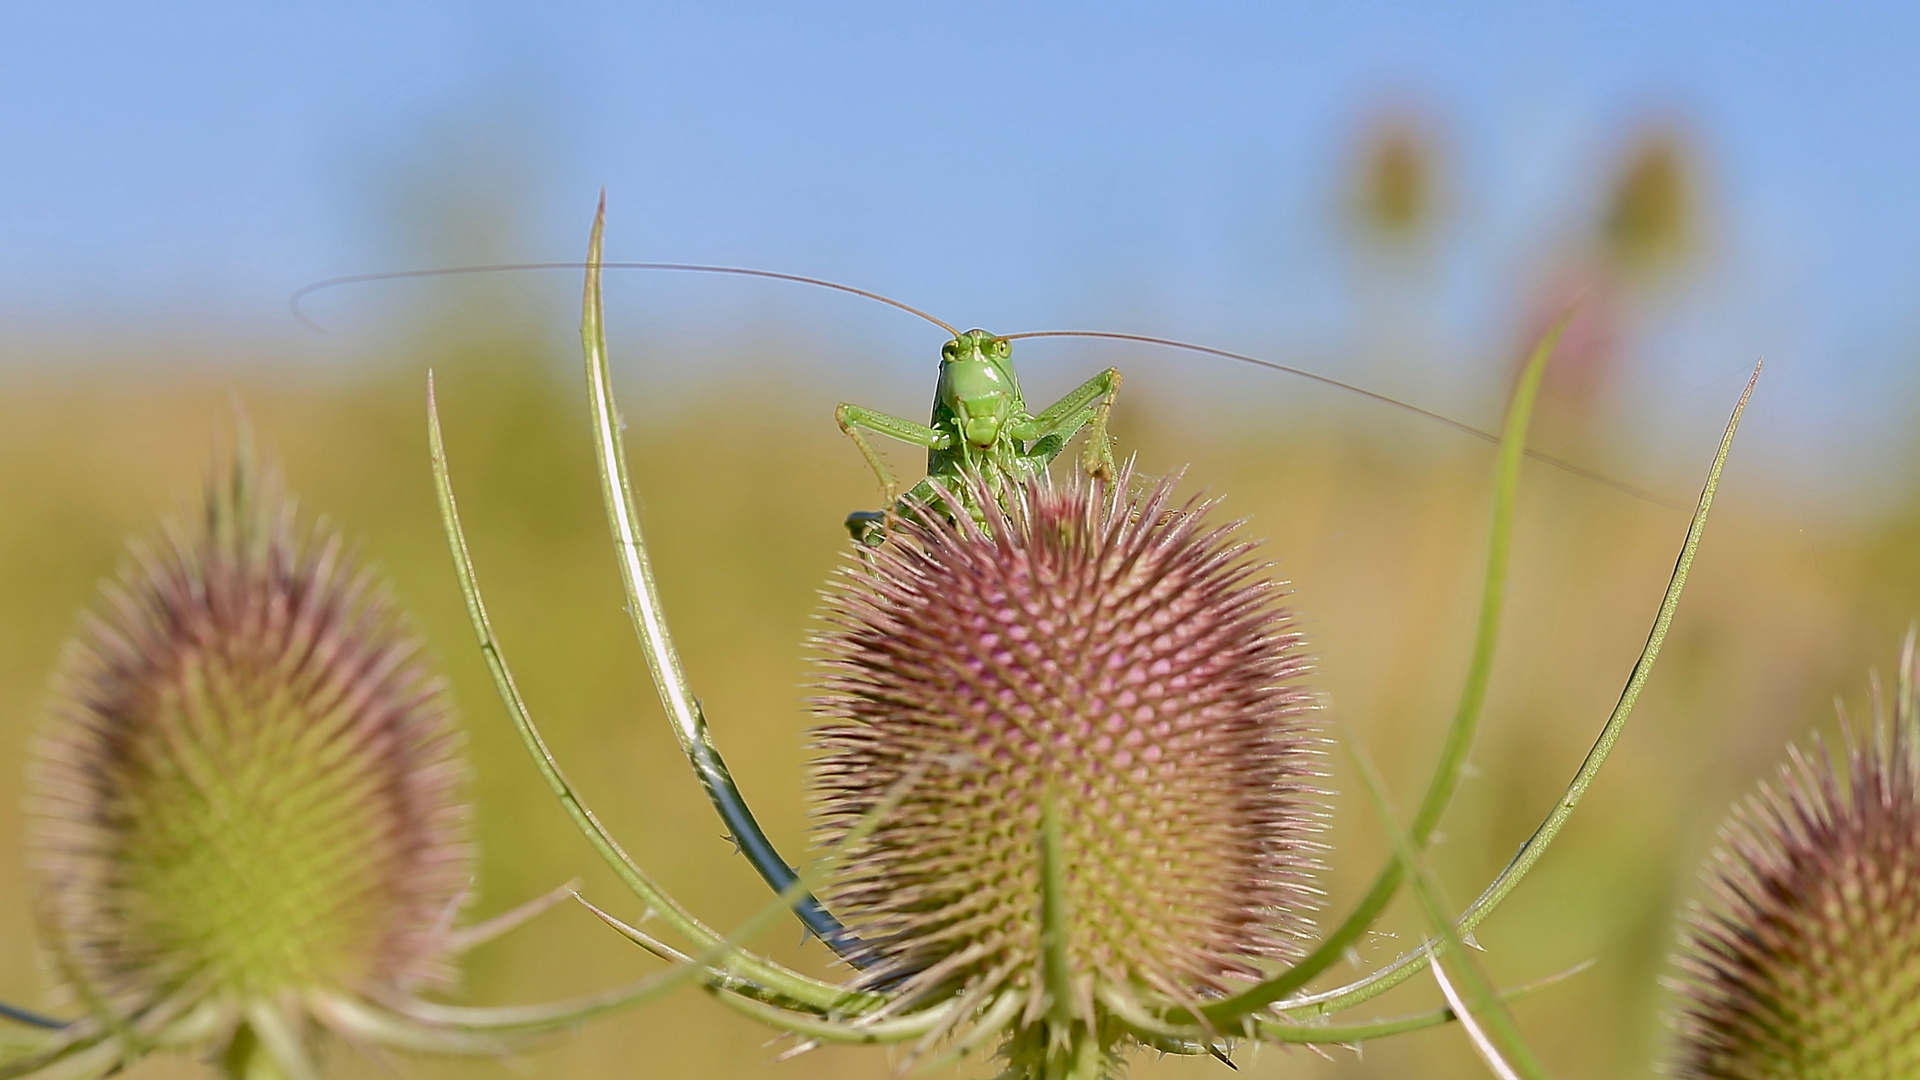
x=977, y=385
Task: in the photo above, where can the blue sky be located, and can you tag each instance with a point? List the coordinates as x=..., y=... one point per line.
x=1158, y=168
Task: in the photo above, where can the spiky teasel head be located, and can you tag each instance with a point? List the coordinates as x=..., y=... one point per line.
x=248, y=811
x=1095, y=687
x=1808, y=965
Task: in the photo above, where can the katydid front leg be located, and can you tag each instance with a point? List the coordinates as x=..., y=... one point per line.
x=868, y=527
x=1086, y=406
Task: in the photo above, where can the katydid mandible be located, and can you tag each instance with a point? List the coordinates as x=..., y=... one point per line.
x=981, y=425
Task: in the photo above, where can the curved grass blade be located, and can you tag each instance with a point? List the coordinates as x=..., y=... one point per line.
x=720, y=979
x=1410, y=963
x=1466, y=714
x=650, y=620
x=802, y=991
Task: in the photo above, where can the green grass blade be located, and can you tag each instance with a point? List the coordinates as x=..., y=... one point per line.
x=1466, y=714
x=650, y=619
x=810, y=993
x=1410, y=963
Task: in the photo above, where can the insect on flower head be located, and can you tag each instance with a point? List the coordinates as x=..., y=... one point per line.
x=1101, y=691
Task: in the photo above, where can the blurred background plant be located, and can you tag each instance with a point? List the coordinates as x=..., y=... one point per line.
x=1215, y=176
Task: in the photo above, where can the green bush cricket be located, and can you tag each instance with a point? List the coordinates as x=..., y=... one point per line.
x=981, y=424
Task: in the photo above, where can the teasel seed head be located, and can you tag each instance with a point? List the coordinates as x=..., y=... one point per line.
x=1808, y=963
x=1651, y=223
x=1111, y=656
x=248, y=809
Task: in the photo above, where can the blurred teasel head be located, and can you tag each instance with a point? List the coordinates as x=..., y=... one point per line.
x=1651, y=221
x=248, y=814
x=1394, y=189
x=1808, y=963
x=1115, y=811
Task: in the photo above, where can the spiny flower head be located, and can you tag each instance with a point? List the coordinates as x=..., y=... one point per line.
x=1106, y=659
x=248, y=809
x=1809, y=964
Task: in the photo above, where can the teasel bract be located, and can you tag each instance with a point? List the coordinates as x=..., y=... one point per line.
x=1066, y=779
x=248, y=819
x=1806, y=964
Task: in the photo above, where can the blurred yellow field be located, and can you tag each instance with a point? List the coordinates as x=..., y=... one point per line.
x=743, y=489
